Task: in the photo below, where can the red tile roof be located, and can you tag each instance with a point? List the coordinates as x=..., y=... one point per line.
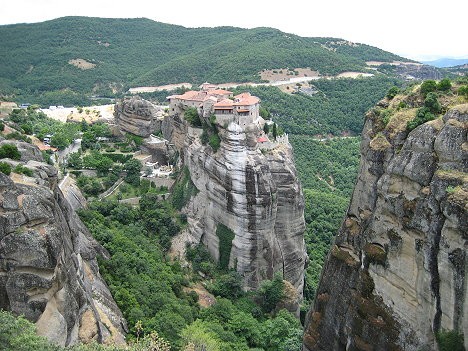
x=225, y=103
x=219, y=92
x=245, y=99
x=262, y=139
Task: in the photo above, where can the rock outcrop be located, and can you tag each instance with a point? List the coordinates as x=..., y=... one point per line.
x=397, y=272
x=254, y=193
x=138, y=116
x=48, y=267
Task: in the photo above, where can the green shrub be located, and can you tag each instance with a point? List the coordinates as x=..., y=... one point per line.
x=204, y=138
x=392, y=92
x=9, y=151
x=183, y=190
x=428, y=86
x=444, y=85
x=226, y=236
x=423, y=115
x=463, y=91
x=191, y=116
x=5, y=168
x=432, y=103
x=17, y=333
x=215, y=142
x=450, y=340
x=23, y=170
x=271, y=292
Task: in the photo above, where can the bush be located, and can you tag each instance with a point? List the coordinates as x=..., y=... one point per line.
x=17, y=333
x=392, y=92
x=191, y=116
x=450, y=341
x=432, y=103
x=422, y=116
x=215, y=142
x=5, y=168
x=428, y=86
x=463, y=91
x=9, y=151
x=444, y=85
x=23, y=170
x=226, y=236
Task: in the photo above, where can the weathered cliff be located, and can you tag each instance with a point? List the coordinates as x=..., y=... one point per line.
x=138, y=116
x=397, y=272
x=48, y=267
x=257, y=196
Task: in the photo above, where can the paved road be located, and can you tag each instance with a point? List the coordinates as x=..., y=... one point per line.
x=74, y=147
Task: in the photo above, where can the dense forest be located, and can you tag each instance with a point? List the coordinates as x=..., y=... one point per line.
x=120, y=53
x=327, y=170
x=338, y=106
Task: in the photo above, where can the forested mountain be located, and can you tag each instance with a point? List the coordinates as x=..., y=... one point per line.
x=112, y=54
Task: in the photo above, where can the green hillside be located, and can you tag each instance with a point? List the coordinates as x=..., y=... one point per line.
x=129, y=52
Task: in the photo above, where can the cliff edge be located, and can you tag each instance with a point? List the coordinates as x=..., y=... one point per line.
x=48, y=267
x=397, y=272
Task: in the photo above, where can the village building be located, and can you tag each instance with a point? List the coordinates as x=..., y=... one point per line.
x=243, y=109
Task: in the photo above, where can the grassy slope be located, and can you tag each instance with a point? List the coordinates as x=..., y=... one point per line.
x=141, y=51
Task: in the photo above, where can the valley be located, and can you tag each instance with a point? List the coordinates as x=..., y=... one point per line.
x=318, y=208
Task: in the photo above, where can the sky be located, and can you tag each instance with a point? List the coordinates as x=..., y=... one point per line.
x=414, y=29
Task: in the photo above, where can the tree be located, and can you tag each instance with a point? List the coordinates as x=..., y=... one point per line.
x=191, y=116
x=17, y=333
x=275, y=132
x=133, y=167
x=103, y=165
x=392, y=92
x=200, y=336
x=271, y=292
x=74, y=160
x=266, y=128
x=432, y=103
x=428, y=86
x=59, y=141
x=264, y=113
x=444, y=85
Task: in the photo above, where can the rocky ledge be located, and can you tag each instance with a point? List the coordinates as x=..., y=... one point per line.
x=138, y=116
x=48, y=267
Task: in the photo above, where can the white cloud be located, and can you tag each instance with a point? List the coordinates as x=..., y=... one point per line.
x=414, y=29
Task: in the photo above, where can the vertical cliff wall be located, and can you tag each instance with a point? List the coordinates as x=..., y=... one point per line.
x=397, y=272
x=257, y=196
x=138, y=116
x=48, y=267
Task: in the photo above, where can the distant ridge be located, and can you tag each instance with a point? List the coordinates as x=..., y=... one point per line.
x=446, y=62
x=103, y=56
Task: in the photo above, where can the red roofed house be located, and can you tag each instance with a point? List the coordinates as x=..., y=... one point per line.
x=197, y=99
x=244, y=109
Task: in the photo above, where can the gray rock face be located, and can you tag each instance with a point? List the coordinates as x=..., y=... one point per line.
x=397, y=273
x=256, y=195
x=138, y=116
x=48, y=267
